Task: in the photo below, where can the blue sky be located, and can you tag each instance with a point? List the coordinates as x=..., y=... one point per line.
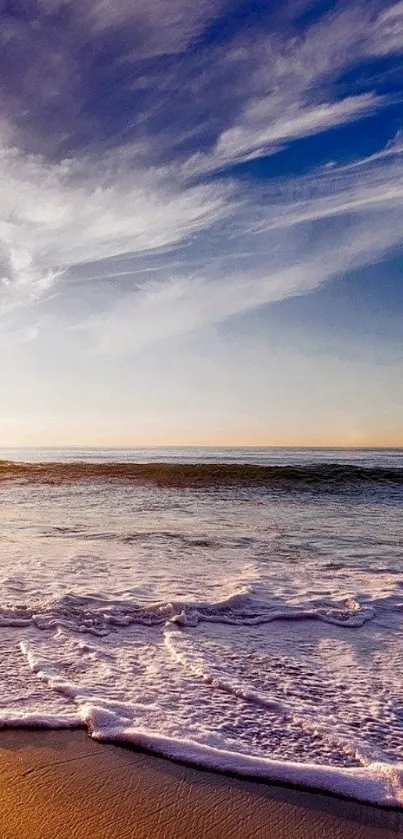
x=201, y=222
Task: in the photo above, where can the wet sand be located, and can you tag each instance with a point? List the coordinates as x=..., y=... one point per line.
x=63, y=785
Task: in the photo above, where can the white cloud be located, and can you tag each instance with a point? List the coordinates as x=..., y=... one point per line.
x=93, y=207
x=387, y=35
x=56, y=216
x=157, y=27
x=53, y=216
x=288, y=82
x=164, y=310
x=269, y=123
x=393, y=148
x=373, y=184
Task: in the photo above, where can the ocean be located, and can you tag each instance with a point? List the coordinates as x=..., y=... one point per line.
x=238, y=609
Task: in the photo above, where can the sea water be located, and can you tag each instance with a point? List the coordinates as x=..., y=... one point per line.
x=244, y=613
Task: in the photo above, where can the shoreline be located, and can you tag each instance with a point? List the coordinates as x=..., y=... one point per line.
x=60, y=783
x=362, y=785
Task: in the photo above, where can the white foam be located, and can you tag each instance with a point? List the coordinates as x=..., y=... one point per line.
x=100, y=615
x=252, y=633
x=169, y=705
x=377, y=783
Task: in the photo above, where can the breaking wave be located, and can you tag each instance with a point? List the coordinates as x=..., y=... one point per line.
x=242, y=616
x=100, y=616
x=158, y=690
x=177, y=475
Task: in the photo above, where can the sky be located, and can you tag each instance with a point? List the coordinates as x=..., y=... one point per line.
x=201, y=222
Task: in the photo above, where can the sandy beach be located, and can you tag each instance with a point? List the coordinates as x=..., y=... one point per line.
x=61, y=784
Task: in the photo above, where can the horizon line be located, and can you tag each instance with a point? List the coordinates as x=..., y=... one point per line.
x=385, y=447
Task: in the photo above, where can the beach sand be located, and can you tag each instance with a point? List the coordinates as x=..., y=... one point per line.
x=63, y=785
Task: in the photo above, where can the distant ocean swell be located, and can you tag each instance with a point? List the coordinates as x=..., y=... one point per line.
x=203, y=474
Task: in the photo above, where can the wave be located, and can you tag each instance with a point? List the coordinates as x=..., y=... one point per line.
x=379, y=783
x=324, y=475
x=375, y=781
x=99, y=616
x=193, y=540
x=81, y=680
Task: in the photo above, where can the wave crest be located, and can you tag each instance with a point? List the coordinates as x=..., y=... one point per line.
x=97, y=616
x=201, y=474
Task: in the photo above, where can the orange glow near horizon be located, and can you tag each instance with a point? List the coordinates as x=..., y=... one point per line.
x=220, y=440
x=155, y=431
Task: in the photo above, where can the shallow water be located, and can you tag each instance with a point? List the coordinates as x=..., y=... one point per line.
x=250, y=620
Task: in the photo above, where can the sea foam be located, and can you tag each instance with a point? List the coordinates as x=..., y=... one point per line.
x=243, y=617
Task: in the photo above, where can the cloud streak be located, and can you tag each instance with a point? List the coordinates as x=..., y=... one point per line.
x=261, y=134
x=120, y=136
x=161, y=310
x=53, y=216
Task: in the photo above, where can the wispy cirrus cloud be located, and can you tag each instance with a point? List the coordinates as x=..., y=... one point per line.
x=120, y=128
x=262, y=133
x=104, y=73
x=292, y=83
x=53, y=216
x=369, y=185
x=169, y=171
x=153, y=27
x=180, y=303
